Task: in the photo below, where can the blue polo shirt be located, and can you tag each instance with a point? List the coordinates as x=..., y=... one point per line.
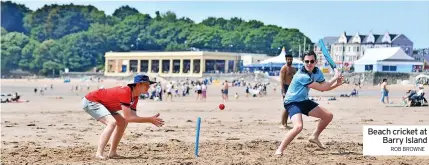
x=298, y=88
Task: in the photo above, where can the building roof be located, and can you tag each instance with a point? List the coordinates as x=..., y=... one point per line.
x=378, y=38
x=391, y=55
x=176, y=53
x=349, y=38
x=330, y=40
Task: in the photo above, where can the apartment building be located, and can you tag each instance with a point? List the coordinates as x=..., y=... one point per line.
x=349, y=48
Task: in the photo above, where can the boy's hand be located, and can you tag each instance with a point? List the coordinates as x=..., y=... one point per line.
x=340, y=80
x=336, y=74
x=156, y=121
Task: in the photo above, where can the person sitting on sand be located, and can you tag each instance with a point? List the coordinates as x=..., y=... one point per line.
x=297, y=102
x=408, y=97
x=103, y=105
x=16, y=98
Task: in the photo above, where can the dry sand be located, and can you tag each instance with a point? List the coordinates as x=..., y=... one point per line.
x=47, y=130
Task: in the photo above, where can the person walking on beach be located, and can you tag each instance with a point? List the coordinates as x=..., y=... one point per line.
x=286, y=75
x=169, y=91
x=297, y=102
x=158, y=91
x=103, y=105
x=198, y=90
x=204, y=90
x=384, y=91
x=225, y=91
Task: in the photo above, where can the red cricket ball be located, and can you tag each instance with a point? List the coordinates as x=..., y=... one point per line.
x=221, y=106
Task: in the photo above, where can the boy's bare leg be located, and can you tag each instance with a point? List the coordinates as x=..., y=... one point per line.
x=291, y=134
x=110, y=123
x=325, y=118
x=117, y=135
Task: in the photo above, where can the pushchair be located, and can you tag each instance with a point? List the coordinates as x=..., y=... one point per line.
x=419, y=100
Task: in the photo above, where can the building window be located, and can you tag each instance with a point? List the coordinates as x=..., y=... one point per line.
x=144, y=66
x=369, y=67
x=186, y=66
x=358, y=48
x=417, y=68
x=155, y=66
x=133, y=66
x=176, y=66
x=165, y=66
x=388, y=68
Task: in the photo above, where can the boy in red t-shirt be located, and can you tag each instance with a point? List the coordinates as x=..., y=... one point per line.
x=103, y=105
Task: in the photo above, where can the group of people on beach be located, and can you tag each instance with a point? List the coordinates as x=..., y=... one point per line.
x=103, y=104
x=411, y=97
x=42, y=90
x=179, y=89
x=10, y=98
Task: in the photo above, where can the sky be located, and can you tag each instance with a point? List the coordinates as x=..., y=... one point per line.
x=316, y=19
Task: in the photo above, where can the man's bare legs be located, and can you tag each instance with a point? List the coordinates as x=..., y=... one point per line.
x=318, y=112
x=225, y=98
x=121, y=125
x=285, y=115
x=110, y=123
x=291, y=134
x=325, y=118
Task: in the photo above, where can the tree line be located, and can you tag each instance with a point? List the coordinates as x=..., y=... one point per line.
x=71, y=36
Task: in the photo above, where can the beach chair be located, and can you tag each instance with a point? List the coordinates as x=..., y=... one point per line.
x=419, y=100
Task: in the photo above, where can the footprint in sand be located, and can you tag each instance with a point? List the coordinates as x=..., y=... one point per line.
x=367, y=120
x=168, y=130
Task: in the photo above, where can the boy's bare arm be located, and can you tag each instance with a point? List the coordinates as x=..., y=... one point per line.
x=131, y=116
x=282, y=74
x=336, y=84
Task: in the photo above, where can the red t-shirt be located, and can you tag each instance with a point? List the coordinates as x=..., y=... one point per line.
x=113, y=98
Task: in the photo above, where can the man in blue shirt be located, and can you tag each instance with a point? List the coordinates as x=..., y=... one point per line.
x=296, y=101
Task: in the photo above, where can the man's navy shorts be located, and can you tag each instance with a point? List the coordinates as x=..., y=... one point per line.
x=303, y=107
x=286, y=87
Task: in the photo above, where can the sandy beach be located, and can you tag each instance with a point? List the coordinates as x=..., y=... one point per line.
x=52, y=130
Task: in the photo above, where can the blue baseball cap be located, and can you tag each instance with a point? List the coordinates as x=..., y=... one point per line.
x=142, y=78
